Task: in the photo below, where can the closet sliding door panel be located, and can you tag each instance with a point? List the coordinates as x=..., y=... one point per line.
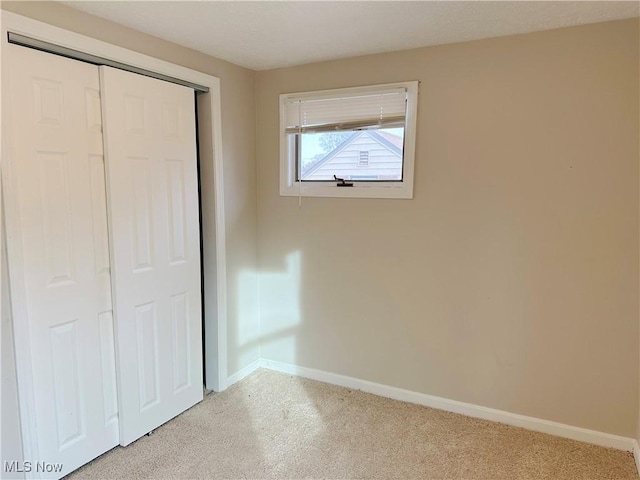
x=152, y=187
x=59, y=257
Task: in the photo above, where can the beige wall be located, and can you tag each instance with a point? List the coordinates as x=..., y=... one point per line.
x=238, y=143
x=511, y=279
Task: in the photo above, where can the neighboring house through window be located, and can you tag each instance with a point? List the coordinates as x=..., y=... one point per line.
x=382, y=158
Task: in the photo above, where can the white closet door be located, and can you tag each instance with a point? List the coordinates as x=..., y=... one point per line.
x=152, y=186
x=59, y=256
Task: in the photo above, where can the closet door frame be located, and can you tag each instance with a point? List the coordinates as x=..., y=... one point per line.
x=212, y=206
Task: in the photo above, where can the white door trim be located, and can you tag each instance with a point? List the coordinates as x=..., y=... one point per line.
x=212, y=212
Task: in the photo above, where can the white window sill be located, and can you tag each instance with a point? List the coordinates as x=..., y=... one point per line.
x=359, y=190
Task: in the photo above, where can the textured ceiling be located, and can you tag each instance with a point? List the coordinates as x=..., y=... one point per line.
x=267, y=34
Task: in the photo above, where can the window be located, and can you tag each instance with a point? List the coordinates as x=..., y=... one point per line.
x=363, y=158
x=328, y=137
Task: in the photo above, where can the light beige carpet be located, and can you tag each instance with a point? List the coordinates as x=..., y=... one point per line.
x=275, y=426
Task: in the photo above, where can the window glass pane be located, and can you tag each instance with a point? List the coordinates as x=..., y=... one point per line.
x=363, y=155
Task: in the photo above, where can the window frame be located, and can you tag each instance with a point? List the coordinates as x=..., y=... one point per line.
x=401, y=189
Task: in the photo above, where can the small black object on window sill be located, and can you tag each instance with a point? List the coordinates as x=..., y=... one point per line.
x=342, y=183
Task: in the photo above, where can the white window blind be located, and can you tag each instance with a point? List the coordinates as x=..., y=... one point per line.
x=375, y=109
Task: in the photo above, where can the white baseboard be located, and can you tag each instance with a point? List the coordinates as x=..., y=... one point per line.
x=468, y=409
x=636, y=454
x=243, y=372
